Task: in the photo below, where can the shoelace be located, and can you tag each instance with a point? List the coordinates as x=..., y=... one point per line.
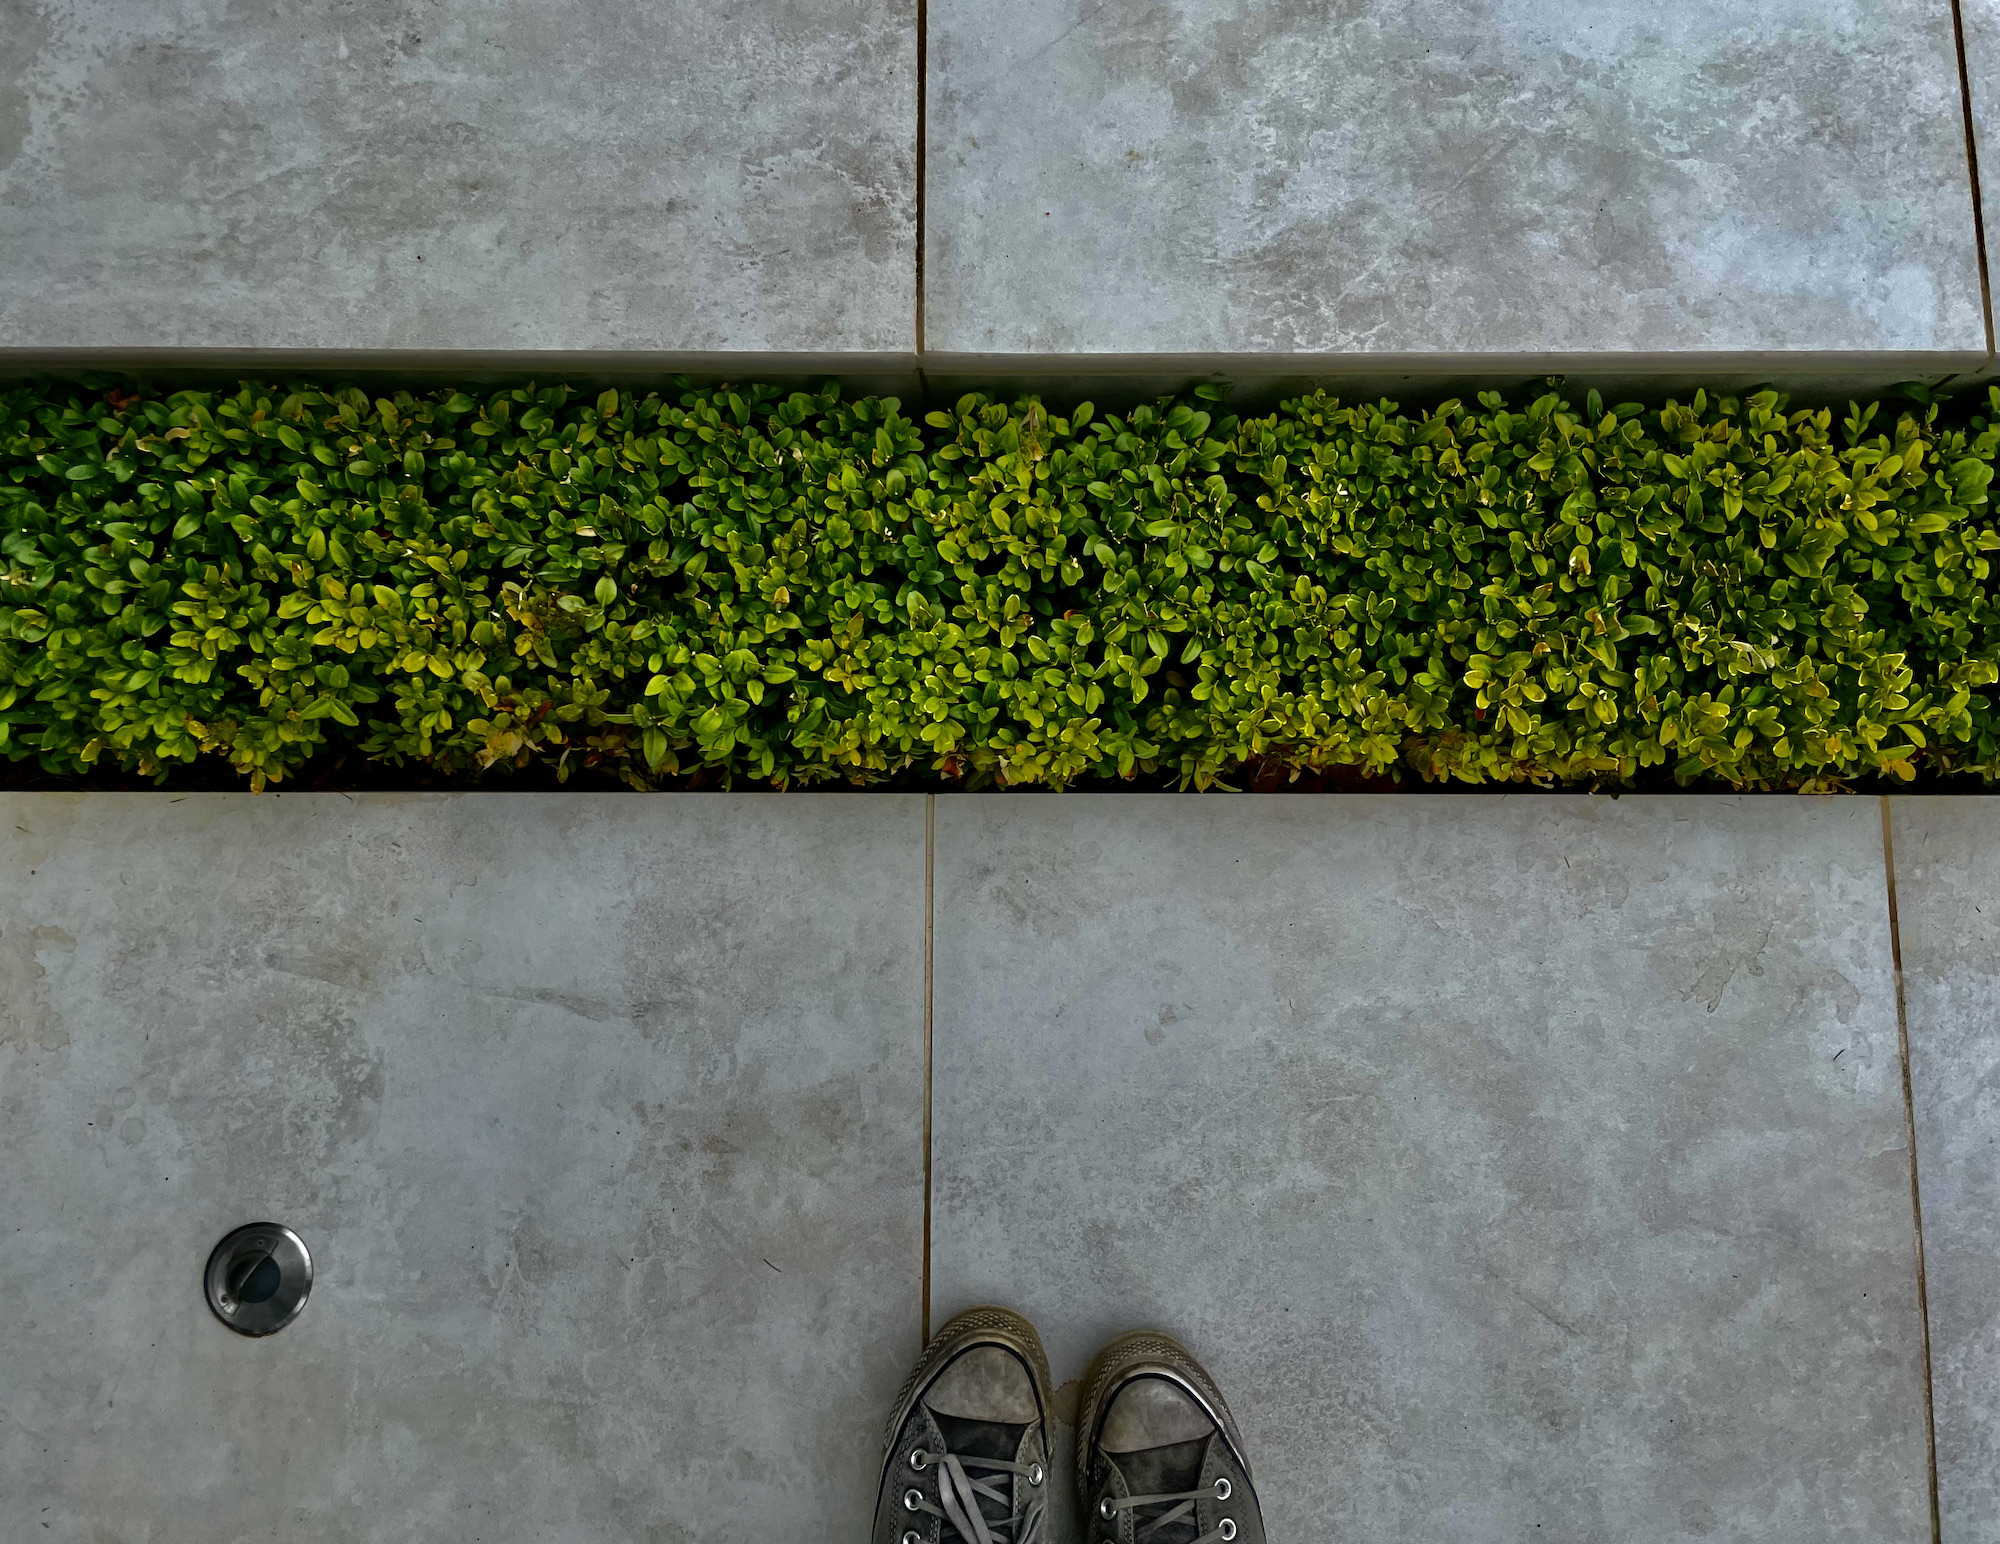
x=959, y=1494
x=1221, y=1533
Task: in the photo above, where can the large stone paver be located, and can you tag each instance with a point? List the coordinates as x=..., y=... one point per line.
x=1447, y=177
x=602, y=1116
x=1948, y=895
x=1524, y=1168
x=484, y=175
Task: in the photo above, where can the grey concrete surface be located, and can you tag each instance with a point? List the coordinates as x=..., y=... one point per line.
x=1450, y=176
x=457, y=174
x=602, y=1117
x=1523, y=1168
x=1948, y=895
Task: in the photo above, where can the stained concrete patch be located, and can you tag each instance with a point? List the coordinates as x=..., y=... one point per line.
x=1948, y=895
x=601, y=1116
x=494, y=175
x=1525, y=1168
x=1448, y=176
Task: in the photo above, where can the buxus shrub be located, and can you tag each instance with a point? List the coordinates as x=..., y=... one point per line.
x=794, y=587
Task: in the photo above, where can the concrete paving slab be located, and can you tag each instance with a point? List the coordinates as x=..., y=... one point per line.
x=1948, y=904
x=1524, y=1168
x=600, y=1114
x=1473, y=177
x=480, y=175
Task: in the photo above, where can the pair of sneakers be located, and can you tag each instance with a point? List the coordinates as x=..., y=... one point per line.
x=1158, y=1456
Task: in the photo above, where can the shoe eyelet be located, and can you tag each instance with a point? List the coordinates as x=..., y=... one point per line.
x=913, y=1538
x=1035, y=1475
x=1222, y=1487
x=1104, y=1509
x=912, y=1498
x=918, y=1459
x=1226, y=1529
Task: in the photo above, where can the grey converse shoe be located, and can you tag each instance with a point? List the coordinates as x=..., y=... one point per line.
x=1158, y=1456
x=969, y=1439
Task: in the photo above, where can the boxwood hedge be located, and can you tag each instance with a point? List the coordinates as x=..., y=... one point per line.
x=792, y=587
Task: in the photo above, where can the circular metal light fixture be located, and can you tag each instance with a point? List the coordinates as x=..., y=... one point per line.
x=258, y=1278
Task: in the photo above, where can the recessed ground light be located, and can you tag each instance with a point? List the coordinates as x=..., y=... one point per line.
x=258, y=1278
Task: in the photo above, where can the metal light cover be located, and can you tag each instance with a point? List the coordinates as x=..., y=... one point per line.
x=258, y=1278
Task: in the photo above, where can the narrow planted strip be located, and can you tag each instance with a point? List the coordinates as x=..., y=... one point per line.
x=797, y=588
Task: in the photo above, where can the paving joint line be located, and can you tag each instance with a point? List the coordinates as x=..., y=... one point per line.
x=930, y=875
x=1972, y=169
x=1916, y=1193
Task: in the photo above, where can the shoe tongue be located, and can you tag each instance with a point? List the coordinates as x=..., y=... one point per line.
x=979, y=1439
x=1165, y=1471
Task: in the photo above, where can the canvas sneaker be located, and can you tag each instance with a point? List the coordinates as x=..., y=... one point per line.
x=969, y=1439
x=1158, y=1457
